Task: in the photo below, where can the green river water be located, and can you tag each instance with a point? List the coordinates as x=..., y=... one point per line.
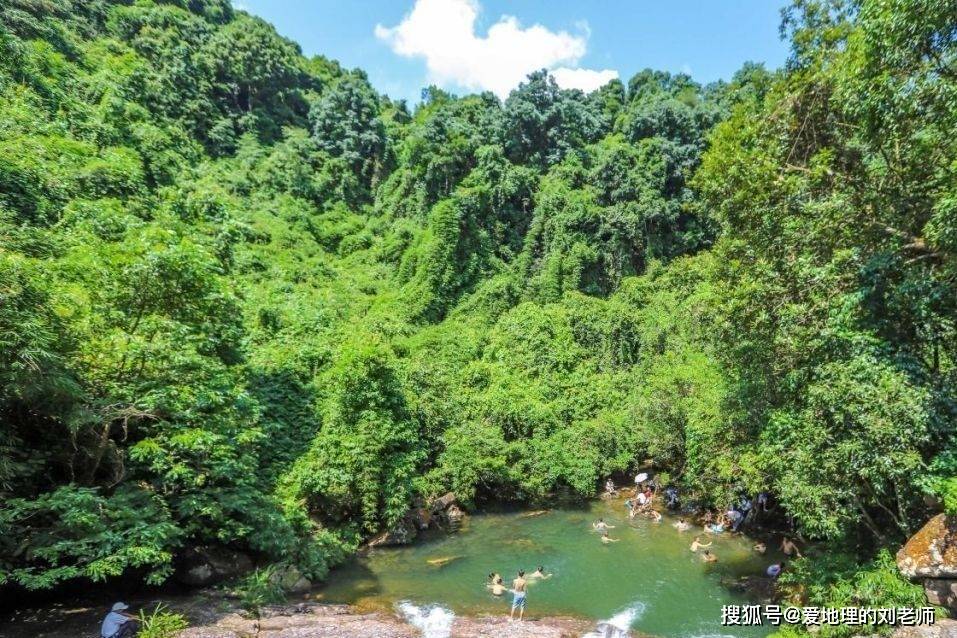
x=650, y=572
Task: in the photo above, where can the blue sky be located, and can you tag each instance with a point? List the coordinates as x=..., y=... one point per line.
x=470, y=45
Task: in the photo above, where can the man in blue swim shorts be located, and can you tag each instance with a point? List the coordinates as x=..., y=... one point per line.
x=519, y=589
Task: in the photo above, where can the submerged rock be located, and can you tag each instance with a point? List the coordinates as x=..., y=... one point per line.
x=443, y=561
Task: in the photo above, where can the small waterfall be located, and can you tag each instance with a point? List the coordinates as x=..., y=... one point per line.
x=618, y=625
x=433, y=621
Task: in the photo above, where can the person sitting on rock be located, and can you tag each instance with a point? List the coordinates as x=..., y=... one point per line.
x=610, y=489
x=119, y=624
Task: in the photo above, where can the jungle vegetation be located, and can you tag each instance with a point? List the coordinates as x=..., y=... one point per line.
x=247, y=300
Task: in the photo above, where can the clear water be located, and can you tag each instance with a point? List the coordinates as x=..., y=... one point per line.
x=649, y=580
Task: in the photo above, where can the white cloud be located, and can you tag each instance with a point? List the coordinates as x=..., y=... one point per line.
x=443, y=33
x=585, y=79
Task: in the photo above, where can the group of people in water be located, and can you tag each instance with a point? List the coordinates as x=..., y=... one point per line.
x=732, y=519
x=519, y=588
x=642, y=504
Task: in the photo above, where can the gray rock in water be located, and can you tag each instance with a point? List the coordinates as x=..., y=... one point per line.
x=443, y=502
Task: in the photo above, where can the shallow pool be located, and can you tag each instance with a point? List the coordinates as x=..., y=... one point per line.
x=650, y=572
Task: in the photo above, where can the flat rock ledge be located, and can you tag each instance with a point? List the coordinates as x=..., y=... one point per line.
x=943, y=628
x=314, y=620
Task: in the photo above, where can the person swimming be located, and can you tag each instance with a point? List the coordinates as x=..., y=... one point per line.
x=708, y=557
x=760, y=547
x=540, y=573
x=602, y=526
x=682, y=525
x=496, y=584
x=696, y=544
x=717, y=526
x=655, y=515
x=605, y=538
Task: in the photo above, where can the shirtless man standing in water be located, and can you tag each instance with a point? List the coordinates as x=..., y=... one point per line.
x=519, y=586
x=789, y=548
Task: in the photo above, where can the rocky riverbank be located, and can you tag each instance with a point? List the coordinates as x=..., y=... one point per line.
x=312, y=620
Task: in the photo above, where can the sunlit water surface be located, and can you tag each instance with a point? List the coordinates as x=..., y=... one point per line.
x=649, y=580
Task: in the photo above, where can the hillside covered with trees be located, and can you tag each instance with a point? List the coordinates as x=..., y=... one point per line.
x=247, y=300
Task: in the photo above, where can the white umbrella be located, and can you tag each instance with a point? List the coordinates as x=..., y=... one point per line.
x=641, y=478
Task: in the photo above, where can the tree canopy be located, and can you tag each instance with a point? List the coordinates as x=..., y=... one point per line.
x=247, y=300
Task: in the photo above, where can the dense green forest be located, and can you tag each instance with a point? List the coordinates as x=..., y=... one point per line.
x=247, y=300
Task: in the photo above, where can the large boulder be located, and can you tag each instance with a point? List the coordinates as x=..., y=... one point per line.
x=931, y=552
x=206, y=565
x=422, y=517
x=291, y=580
x=443, y=502
x=941, y=592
